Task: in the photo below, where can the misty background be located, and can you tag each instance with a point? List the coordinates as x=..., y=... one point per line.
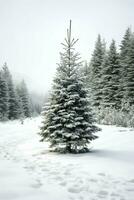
x=31, y=32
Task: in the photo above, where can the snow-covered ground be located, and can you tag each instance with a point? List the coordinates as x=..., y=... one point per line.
x=28, y=171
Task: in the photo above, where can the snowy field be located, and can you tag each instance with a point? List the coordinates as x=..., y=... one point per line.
x=29, y=172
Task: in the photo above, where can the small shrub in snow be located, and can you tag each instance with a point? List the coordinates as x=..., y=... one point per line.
x=111, y=116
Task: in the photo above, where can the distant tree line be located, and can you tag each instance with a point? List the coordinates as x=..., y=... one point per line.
x=110, y=75
x=15, y=100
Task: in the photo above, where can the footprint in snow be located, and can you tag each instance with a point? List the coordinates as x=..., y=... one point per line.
x=67, y=172
x=71, y=198
x=81, y=198
x=53, y=173
x=74, y=189
x=93, y=180
x=45, y=170
x=116, y=181
x=131, y=181
x=58, y=178
x=63, y=183
x=101, y=174
x=130, y=189
x=37, y=184
x=102, y=194
x=113, y=194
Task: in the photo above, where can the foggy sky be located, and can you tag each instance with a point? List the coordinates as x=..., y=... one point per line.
x=31, y=32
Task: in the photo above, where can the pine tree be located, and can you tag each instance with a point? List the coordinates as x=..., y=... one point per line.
x=129, y=79
x=124, y=48
x=86, y=71
x=24, y=98
x=68, y=121
x=106, y=85
x=19, y=105
x=3, y=98
x=110, y=78
x=96, y=67
x=125, y=44
x=13, y=112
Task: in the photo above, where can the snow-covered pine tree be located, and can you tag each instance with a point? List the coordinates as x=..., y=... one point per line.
x=110, y=78
x=68, y=120
x=129, y=79
x=125, y=44
x=24, y=97
x=4, y=106
x=13, y=112
x=114, y=62
x=96, y=67
x=19, y=105
x=86, y=71
x=106, y=85
x=123, y=58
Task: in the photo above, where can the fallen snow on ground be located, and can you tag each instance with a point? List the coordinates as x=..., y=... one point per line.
x=28, y=171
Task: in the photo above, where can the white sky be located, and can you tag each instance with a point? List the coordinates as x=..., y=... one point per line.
x=31, y=32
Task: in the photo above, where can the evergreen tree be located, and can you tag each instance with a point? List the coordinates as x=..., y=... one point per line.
x=86, y=71
x=13, y=112
x=96, y=67
x=24, y=98
x=3, y=98
x=124, y=48
x=19, y=105
x=68, y=120
x=106, y=85
x=110, y=78
x=125, y=44
x=129, y=78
